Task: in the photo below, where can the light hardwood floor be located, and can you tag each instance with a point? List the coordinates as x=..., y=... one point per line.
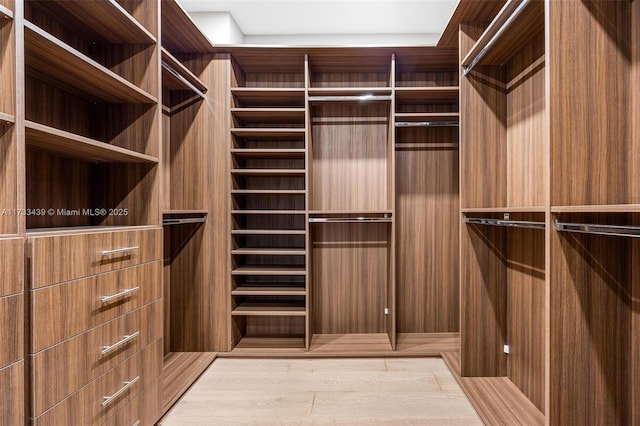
x=371, y=391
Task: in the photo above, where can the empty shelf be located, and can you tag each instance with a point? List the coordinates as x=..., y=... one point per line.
x=268, y=290
x=5, y=12
x=269, y=270
x=285, y=212
x=427, y=116
x=7, y=118
x=178, y=77
x=275, y=309
x=179, y=32
x=255, y=97
x=260, y=133
x=57, y=60
x=349, y=91
x=265, y=346
x=76, y=146
x=105, y=17
x=270, y=251
x=268, y=191
x=269, y=153
x=427, y=95
x=268, y=172
x=268, y=232
x=270, y=115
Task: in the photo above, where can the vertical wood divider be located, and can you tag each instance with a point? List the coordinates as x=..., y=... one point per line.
x=391, y=193
x=307, y=196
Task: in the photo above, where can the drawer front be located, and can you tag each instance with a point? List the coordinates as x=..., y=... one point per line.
x=86, y=406
x=144, y=410
x=64, y=368
x=11, y=329
x=64, y=310
x=12, y=266
x=56, y=259
x=12, y=400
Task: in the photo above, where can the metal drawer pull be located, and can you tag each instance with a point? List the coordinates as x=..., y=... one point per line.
x=137, y=423
x=123, y=293
x=120, y=250
x=109, y=399
x=106, y=349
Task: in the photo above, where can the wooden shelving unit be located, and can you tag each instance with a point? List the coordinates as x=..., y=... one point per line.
x=272, y=309
x=256, y=97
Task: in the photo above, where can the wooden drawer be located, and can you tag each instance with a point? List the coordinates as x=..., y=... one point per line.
x=64, y=310
x=64, y=368
x=143, y=410
x=12, y=400
x=12, y=266
x=62, y=258
x=11, y=329
x=85, y=407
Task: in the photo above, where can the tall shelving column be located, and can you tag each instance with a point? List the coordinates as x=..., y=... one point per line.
x=268, y=192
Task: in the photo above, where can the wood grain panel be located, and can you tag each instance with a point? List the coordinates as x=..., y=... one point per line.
x=60, y=258
x=61, y=370
x=525, y=315
x=84, y=407
x=591, y=322
x=483, y=310
x=12, y=401
x=349, y=261
x=526, y=126
x=11, y=265
x=179, y=33
x=468, y=11
x=146, y=408
x=11, y=329
x=483, y=136
x=8, y=66
x=589, y=55
x=181, y=370
x=349, y=154
x=146, y=12
x=635, y=254
x=427, y=234
x=8, y=177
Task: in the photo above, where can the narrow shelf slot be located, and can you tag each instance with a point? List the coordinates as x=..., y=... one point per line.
x=269, y=153
x=106, y=17
x=283, y=134
x=7, y=118
x=504, y=222
x=250, y=345
x=275, y=309
x=268, y=270
x=268, y=97
x=427, y=117
x=350, y=219
x=268, y=232
x=269, y=290
x=268, y=172
x=5, y=12
x=59, y=61
x=424, y=95
x=268, y=191
x=599, y=229
x=76, y=146
x=269, y=115
x=402, y=124
x=270, y=251
x=283, y=212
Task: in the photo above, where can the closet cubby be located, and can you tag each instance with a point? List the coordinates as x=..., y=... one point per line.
x=268, y=203
x=503, y=98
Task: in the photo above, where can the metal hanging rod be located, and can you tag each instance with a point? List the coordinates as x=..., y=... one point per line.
x=589, y=228
x=183, y=221
x=427, y=124
x=350, y=98
x=349, y=219
x=468, y=67
x=504, y=222
x=184, y=81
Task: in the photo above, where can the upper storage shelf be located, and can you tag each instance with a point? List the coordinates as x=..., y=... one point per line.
x=58, y=61
x=515, y=25
x=5, y=13
x=179, y=33
x=361, y=70
x=111, y=21
x=175, y=76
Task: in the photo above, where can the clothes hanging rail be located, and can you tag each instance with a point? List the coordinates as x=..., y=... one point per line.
x=176, y=221
x=590, y=228
x=184, y=81
x=513, y=9
x=427, y=124
x=504, y=222
x=349, y=219
x=350, y=98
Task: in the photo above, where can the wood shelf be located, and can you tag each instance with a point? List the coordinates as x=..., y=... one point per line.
x=269, y=153
x=284, y=212
x=610, y=208
x=71, y=145
x=105, y=17
x=350, y=212
x=427, y=116
x=270, y=251
x=268, y=172
x=427, y=95
x=269, y=115
x=269, y=270
x=176, y=76
x=532, y=209
x=521, y=29
x=58, y=61
x=349, y=91
x=7, y=118
x=5, y=12
x=268, y=232
x=268, y=346
x=275, y=309
x=268, y=191
x=496, y=399
x=180, y=371
x=282, y=134
x=179, y=32
x=268, y=290
x=71, y=230
x=185, y=212
x=269, y=97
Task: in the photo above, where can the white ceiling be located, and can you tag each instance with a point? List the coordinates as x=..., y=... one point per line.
x=270, y=17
